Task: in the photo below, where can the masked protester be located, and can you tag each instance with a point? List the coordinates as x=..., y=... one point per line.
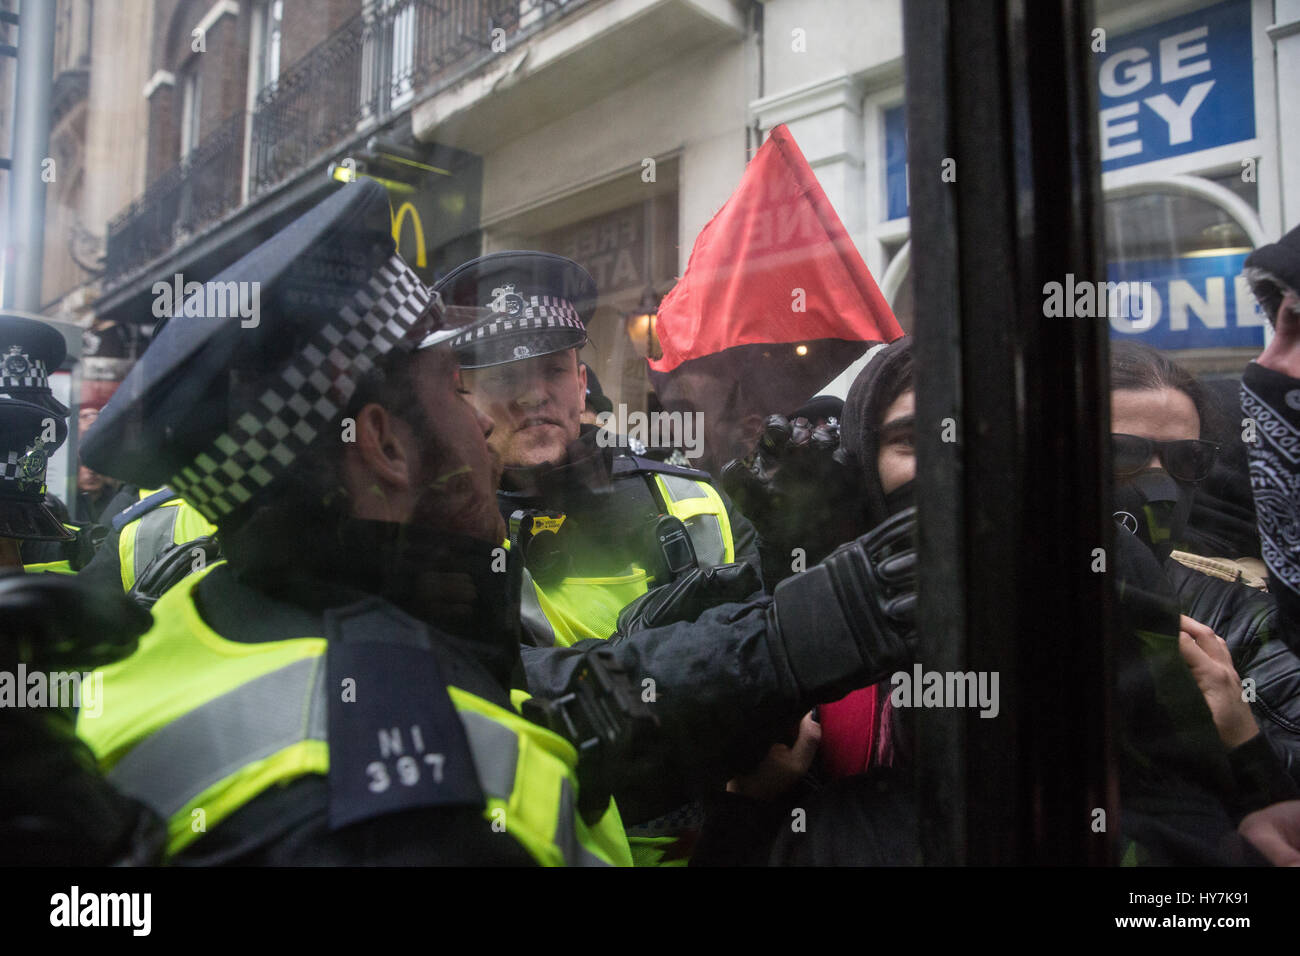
x=857, y=797
x=1270, y=399
x=1158, y=415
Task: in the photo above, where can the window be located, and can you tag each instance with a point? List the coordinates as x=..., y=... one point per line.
x=265, y=61
x=191, y=107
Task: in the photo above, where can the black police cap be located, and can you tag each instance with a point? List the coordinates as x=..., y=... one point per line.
x=221, y=405
x=540, y=303
x=24, y=457
x=29, y=351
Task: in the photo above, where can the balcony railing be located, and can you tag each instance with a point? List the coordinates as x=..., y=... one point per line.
x=367, y=70
x=203, y=188
x=359, y=77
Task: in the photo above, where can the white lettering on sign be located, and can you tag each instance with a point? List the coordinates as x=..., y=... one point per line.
x=1186, y=298
x=1111, y=131
x=1179, y=115
x=1130, y=71
x=1177, y=50
x=1133, y=79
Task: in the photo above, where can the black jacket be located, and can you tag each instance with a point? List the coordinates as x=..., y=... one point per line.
x=1247, y=620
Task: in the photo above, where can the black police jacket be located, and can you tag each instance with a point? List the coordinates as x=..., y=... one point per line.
x=1247, y=620
x=605, y=493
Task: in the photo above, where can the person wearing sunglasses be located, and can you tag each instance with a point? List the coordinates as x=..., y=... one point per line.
x=1159, y=413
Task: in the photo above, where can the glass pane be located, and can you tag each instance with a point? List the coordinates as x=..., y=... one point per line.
x=673, y=242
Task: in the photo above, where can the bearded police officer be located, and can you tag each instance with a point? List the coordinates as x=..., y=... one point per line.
x=337, y=690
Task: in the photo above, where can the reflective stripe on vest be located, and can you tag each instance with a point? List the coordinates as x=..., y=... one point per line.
x=215, y=753
x=53, y=567
x=170, y=523
x=700, y=507
x=531, y=615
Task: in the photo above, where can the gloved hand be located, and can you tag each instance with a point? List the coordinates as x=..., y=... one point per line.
x=797, y=492
x=868, y=587
x=689, y=596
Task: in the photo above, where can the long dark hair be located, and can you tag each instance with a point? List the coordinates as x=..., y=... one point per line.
x=1142, y=368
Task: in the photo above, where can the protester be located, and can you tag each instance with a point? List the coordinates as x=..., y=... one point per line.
x=1269, y=400
x=1155, y=400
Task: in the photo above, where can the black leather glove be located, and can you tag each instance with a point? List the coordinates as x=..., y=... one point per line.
x=690, y=595
x=867, y=587
x=796, y=491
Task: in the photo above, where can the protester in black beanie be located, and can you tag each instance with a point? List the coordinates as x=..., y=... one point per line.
x=887, y=376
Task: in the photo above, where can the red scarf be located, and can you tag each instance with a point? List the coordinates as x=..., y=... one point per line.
x=856, y=732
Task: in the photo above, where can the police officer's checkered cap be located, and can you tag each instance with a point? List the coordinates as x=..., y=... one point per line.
x=537, y=302
x=306, y=397
x=336, y=298
x=26, y=442
x=29, y=351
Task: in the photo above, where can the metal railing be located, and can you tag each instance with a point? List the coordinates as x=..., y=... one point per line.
x=364, y=72
x=359, y=77
x=200, y=190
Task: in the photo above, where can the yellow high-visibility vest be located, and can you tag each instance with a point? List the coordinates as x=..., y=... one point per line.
x=170, y=523
x=199, y=722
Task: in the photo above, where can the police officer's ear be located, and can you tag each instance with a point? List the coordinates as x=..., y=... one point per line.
x=582, y=380
x=384, y=452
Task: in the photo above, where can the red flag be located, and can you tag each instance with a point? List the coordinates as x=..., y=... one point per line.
x=777, y=234
x=774, y=269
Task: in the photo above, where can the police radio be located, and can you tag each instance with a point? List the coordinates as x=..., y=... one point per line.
x=674, y=548
x=536, y=535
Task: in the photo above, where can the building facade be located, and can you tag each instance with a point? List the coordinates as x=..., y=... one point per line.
x=186, y=131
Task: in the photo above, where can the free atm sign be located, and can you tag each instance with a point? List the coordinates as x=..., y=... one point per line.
x=1184, y=85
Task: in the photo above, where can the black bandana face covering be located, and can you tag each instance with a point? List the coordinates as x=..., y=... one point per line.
x=1155, y=507
x=901, y=498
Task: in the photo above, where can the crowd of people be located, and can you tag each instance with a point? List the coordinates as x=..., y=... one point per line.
x=372, y=588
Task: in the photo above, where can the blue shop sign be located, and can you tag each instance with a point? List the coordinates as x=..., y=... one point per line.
x=1184, y=85
x=1194, y=302
x=1181, y=86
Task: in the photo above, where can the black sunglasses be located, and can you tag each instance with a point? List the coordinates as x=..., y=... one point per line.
x=1189, y=459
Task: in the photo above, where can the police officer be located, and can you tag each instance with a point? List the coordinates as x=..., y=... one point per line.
x=599, y=522
x=336, y=691
x=29, y=351
x=54, y=807
x=29, y=434
x=154, y=539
